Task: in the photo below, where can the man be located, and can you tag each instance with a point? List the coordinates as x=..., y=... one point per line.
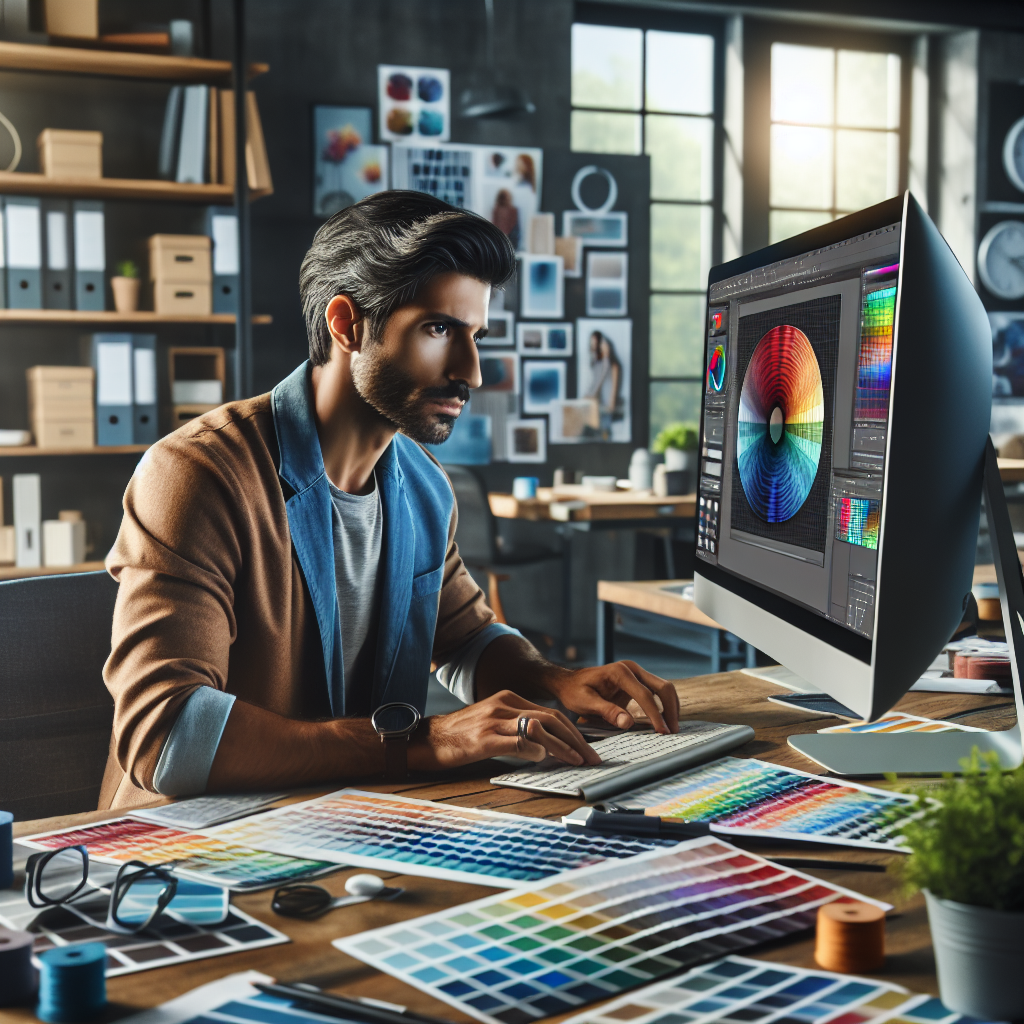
x=287, y=563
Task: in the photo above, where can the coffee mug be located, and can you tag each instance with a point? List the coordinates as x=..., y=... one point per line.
x=524, y=487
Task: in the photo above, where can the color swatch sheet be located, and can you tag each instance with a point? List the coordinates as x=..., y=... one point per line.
x=743, y=796
x=201, y=857
x=206, y=811
x=596, y=932
x=857, y=521
x=738, y=989
x=418, y=837
x=897, y=722
x=874, y=360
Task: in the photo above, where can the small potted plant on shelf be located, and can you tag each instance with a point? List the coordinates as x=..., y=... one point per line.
x=678, y=442
x=967, y=856
x=125, y=287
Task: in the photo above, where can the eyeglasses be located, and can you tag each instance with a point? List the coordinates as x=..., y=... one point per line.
x=136, y=896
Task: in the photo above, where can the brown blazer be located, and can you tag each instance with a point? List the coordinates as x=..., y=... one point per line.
x=212, y=593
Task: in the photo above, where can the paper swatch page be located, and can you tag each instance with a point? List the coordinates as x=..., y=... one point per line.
x=420, y=837
x=595, y=932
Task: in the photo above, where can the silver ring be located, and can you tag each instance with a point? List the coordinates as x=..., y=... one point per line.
x=521, y=732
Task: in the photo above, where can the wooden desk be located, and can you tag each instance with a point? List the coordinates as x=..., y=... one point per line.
x=646, y=609
x=728, y=697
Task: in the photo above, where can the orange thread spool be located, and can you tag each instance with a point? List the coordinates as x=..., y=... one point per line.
x=850, y=937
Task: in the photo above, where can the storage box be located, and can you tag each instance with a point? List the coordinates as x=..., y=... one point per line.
x=183, y=298
x=60, y=406
x=180, y=258
x=70, y=154
x=63, y=542
x=65, y=433
x=181, y=414
x=7, y=549
x=72, y=19
x=68, y=382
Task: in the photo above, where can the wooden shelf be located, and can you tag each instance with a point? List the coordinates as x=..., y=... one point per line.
x=26, y=184
x=75, y=60
x=12, y=572
x=110, y=449
x=81, y=316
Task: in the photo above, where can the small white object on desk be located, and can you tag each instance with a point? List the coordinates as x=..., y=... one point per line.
x=63, y=542
x=562, y=511
x=15, y=438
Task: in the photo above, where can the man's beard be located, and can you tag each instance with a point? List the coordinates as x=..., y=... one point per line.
x=394, y=394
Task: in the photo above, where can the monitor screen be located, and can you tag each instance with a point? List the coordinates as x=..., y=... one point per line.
x=795, y=415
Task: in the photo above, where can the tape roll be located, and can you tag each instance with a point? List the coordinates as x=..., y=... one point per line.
x=850, y=937
x=6, y=849
x=17, y=976
x=72, y=983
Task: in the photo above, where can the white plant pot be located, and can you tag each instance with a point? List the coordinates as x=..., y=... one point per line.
x=676, y=459
x=978, y=954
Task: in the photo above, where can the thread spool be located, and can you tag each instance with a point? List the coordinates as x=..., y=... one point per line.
x=17, y=977
x=850, y=937
x=72, y=983
x=6, y=849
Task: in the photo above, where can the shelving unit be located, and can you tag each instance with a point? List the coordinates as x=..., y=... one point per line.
x=109, y=317
x=110, y=449
x=12, y=572
x=23, y=183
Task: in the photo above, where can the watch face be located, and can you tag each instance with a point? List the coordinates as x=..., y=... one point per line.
x=1001, y=260
x=395, y=718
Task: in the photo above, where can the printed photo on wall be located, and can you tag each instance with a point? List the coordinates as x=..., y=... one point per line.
x=414, y=103
x=526, y=440
x=445, y=172
x=469, y=443
x=574, y=421
x=501, y=406
x=508, y=189
x=543, y=383
x=607, y=282
x=607, y=230
x=542, y=289
x=499, y=372
x=603, y=361
x=544, y=339
x=501, y=327
x=346, y=166
x=1007, y=354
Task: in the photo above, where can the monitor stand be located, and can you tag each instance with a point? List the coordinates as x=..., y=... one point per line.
x=916, y=753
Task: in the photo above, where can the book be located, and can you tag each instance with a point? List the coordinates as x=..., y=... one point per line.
x=257, y=163
x=193, y=135
x=167, y=164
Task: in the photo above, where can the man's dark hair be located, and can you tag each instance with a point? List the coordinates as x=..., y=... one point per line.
x=382, y=250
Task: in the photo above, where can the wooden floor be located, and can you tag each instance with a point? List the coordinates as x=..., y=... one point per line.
x=728, y=697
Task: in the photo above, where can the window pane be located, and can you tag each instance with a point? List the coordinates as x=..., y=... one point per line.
x=672, y=401
x=786, y=223
x=801, y=167
x=867, y=89
x=802, y=83
x=681, y=156
x=606, y=67
x=594, y=132
x=680, y=247
x=680, y=73
x=866, y=168
x=677, y=335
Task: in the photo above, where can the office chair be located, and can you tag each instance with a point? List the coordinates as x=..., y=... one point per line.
x=479, y=544
x=55, y=712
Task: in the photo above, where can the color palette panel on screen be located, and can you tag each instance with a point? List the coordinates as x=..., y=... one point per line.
x=420, y=837
x=596, y=932
x=742, y=990
x=874, y=360
x=745, y=796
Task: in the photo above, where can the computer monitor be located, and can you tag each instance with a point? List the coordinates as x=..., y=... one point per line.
x=845, y=418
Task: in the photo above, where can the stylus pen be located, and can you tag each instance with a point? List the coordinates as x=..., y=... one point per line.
x=636, y=823
x=820, y=863
x=339, y=1006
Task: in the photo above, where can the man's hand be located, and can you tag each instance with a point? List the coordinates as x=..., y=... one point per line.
x=604, y=691
x=490, y=727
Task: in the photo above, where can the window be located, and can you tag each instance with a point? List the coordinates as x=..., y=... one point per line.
x=651, y=91
x=835, y=134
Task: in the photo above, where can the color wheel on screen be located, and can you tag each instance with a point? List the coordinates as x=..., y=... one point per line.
x=716, y=369
x=782, y=410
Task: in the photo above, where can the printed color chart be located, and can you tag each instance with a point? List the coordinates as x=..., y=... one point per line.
x=748, y=797
x=207, y=860
x=737, y=989
x=374, y=830
x=596, y=932
x=857, y=521
x=874, y=363
x=896, y=721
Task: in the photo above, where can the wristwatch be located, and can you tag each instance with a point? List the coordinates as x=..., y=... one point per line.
x=394, y=724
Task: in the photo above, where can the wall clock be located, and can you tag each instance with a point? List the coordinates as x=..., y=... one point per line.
x=1013, y=153
x=1001, y=259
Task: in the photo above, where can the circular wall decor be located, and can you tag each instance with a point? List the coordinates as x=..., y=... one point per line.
x=581, y=175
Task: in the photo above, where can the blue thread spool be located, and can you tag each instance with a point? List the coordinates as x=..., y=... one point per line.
x=72, y=983
x=17, y=978
x=6, y=849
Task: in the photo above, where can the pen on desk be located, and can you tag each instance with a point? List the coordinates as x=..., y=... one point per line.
x=340, y=1006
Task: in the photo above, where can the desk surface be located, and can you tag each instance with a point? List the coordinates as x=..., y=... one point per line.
x=651, y=596
x=599, y=505
x=727, y=697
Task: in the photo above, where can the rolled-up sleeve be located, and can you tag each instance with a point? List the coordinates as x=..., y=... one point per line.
x=459, y=674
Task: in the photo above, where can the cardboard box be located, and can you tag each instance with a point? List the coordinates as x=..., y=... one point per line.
x=73, y=19
x=183, y=298
x=70, y=154
x=181, y=414
x=63, y=542
x=65, y=433
x=7, y=549
x=61, y=381
x=180, y=259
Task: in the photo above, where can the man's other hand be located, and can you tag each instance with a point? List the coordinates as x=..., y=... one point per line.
x=491, y=727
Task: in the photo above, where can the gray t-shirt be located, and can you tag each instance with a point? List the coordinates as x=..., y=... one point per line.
x=358, y=527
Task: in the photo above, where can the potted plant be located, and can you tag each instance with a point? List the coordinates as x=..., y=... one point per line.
x=967, y=856
x=125, y=287
x=678, y=442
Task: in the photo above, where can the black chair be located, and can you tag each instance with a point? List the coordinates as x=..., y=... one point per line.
x=479, y=543
x=55, y=712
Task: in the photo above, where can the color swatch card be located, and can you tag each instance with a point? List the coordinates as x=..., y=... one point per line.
x=743, y=796
x=205, y=859
x=738, y=989
x=206, y=811
x=595, y=932
x=418, y=837
x=895, y=721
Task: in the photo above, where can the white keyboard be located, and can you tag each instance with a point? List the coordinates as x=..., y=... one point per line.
x=630, y=758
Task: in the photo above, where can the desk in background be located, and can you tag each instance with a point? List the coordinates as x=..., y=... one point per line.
x=729, y=697
x=602, y=510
